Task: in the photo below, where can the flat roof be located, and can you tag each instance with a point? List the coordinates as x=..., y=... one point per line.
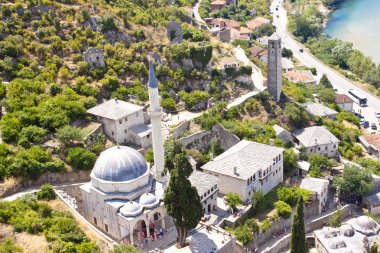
x=114, y=109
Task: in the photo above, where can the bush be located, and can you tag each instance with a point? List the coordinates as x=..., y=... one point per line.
x=68, y=134
x=244, y=234
x=46, y=192
x=336, y=219
x=233, y=200
x=283, y=209
x=291, y=195
x=81, y=159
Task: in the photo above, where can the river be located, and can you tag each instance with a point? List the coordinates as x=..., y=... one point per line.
x=357, y=21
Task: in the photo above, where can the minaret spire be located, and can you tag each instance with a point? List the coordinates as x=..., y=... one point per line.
x=155, y=114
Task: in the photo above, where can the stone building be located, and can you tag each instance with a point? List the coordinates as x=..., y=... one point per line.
x=345, y=102
x=207, y=187
x=125, y=197
x=274, y=82
x=317, y=139
x=247, y=167
x=319, y=188
x=320, y=110
x=94, y=56
x=224, y=35
x=174, y=32
x=123, y=122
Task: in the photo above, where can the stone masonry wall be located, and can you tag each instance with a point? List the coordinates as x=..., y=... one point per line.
x=179, y=130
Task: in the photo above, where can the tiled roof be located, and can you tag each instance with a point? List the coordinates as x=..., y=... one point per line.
x=315, y=135
x=299, y=76
x=319, y=110
x=114, y=109
x=203, y=181
x=257, y=22
x=343, y=98
x=257, y=51
x=373, y=139
x=314, y=184
x=246, y=156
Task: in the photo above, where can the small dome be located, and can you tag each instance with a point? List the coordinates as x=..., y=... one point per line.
x=336, y=243
x=148, y=200
x=366, y=225
x=346, y=230
x=329, y=232
x=132, y=208
x=119, y=164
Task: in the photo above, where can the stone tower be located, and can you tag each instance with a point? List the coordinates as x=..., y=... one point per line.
x=155, y=114
x=274, y=72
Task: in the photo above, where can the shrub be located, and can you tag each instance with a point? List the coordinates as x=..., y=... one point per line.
x=46, y=192
x=81, y=159
x=290, y=195
x=233, y=200
x=68, y=134
x=244, y=234
x=283, y=209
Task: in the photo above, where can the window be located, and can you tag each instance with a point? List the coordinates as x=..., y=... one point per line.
x=112, y=133
x=148, y=136
x=204, y=195
x=319, y=148
x=201, y=197
x=126, y=119
x=326, y=148
x=208, y=192
x=125, y=131
x=254, y=177
x=106, y=227
x=249, y=193
x=95, y=221
x=120, y=121
x=335, y=146
x=215, y=186
x=247, y=182
x=212, y=196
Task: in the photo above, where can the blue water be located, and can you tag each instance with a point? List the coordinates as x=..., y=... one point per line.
x=358, y=21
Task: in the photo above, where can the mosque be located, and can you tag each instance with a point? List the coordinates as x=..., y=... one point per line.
x=125, y=197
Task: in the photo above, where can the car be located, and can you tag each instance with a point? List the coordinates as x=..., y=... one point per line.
x=365, y=124
x=301, y=50
x=373, y=126
x=361, y=120
x=377, y=114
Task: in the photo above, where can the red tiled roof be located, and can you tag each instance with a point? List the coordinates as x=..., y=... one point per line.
x=343, y=98
x=257, y=22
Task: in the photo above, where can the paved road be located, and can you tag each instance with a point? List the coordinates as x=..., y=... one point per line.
x=339, y=82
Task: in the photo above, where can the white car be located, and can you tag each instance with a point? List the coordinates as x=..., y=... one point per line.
x=377, y=114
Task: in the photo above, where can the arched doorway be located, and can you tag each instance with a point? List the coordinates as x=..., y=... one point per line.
x=156, y=225
x=140, y=231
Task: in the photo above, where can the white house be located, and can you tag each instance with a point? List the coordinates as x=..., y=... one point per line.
x=344, y=102
x=317, y=139
x=319, y=187
x=319, y=110
x=123, y=122
x=207, y=187
x=287, y=65
x=247, y=167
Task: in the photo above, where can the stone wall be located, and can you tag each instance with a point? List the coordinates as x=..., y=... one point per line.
x=203, y=139
x=72, y=192
x=180, y=129
x=174, y=32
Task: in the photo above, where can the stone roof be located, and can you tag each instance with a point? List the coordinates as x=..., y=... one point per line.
x=315, y=135
x=258, y=51
x=374, y=199
x=244, y=158
x=257, y=22
x=286, y=63
x=114, y=109
x=275, y=36
x=319, y=110
x=141, y=130
x=343, y=98
x=203, y=181
x=314, y=184
x=365, y=225
x=221, y=22
x=299, y=77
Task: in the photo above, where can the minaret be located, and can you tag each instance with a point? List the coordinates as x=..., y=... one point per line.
x=155, y=114
x=274, y=72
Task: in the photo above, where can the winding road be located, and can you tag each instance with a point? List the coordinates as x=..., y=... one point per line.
x=342, y=84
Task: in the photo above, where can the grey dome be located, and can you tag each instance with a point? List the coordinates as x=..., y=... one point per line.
x=132, y=208
x=119, y=164
x=148, y=200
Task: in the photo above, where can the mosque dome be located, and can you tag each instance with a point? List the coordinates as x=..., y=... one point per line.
x=148, y=200
x=336, y=243
x=329, y=232
x=119, y=164
x=346, y=230
x=131, y=208
x=366, y=225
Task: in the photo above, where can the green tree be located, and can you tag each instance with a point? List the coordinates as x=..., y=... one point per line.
x=354, y=180
x=287, y=53
x=8, y=246
x=336, y=219
x=68, y=135
x=81, y=159
x=233, y=200
x=290, y=161
x=298, y=118
x=244, y=234
x=149, y=157
x=181, y=199
x=46, y=192
x=298, y=237
x=125, y=249
x=283, y=209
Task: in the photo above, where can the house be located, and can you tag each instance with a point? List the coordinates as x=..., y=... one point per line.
x=221, y=22
x=257, y=22
x=355, y=235
x=217, y=5
x=123, y=122
x=345, y=102
x=230, y=62
x=317, y=139
x=319, y=110
x=300, y=76
x=320, y=189
x=247, y=167
x=287, y=65
x=303, y=168
x=207, y=187
x=283, y=134
x=372, y=203
x=372, y=144
x=260, y=53
x=263, y=40
x=240, y=34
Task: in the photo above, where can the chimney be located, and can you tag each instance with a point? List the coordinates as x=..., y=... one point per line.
x=271, y=142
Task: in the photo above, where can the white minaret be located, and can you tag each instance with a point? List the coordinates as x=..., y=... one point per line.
x=155, y=114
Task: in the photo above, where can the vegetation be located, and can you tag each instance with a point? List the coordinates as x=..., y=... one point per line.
x=125, y=249
x=80, y=158
x=355, y=180
x=67, y=135
x=60, y=229
x=290, y=161
x=8, y=246
x=298, y=236
x=291, y=195
x=46, y=192
x=233, y=200
x=336, y=219
x=283, y=209
x=182, y=201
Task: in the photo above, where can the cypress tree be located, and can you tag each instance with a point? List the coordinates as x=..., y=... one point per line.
x=298, y=237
